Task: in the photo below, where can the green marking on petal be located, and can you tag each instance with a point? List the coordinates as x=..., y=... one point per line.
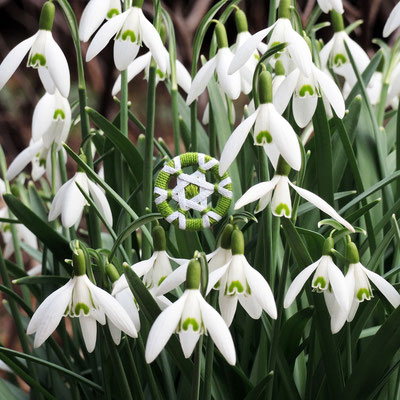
x=339, y=60
x=37, y=59
x=306, y=88
x=248, y=289
x=364, y=294
x=42, y=162
x=282, y=207
x=263, y=137
x=112, y=12
x=130, y=34
x=256, y=56
x=319, y=283
x=161, y=280
x=59, y=113
x=160, y=74
x=190, y=321
x=81, y=306
x=237, y=285
x=217, y=285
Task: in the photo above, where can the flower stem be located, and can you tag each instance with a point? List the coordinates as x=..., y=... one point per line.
x=196, y=370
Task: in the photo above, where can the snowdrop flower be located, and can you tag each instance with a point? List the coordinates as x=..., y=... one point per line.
x=305, y=91
x=328, y=279
x=271, y=131
x=190, y=316
x=69, y=201
x=44, y=55
x=79, y=298
x=127, y=301
x=216, y=259
x=327, y=5
x=23, y=233
x=143, y=63
x=276, y=191
x=283, y=32
x=359, y=289
x=230, y=84
x=334, y=54
x=393, y=22
x=394, y=88
x=95, y=12
x=131, y=28
x=239, y=281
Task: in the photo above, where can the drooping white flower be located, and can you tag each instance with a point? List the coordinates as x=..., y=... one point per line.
x=95, y=12
x=216, y=259
x=282, y=32
x=327, y=5
x=393, y=22
x=69, y=201
x=143, y=63
x=394, y=88
x=271, y=131
x=190, y=316
x=305, y=92
x=276, y=191
x=131, y=29
x=239, y=281
x=44, y=55
x=358, y=290
x=79, y=298
x=230, y=84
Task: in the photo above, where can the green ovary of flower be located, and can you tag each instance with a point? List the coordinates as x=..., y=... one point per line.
x=263, y=137
x=190, y=321
x=59, y=113
x=319, y=283
x=37, y=59
x=112, y=12
x=306, y=89
x=281, y=207
x=339, y=60
x=130, y=34
x=364, y=294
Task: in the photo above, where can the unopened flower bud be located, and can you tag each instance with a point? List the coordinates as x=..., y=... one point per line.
x=112, y=272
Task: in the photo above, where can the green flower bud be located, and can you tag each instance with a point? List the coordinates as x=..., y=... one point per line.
x=226, y=236
x=237, y=242
x=265, y=87
x=220, y=32
x=284, y=9
x=159, y=239
x=337, y=21
x=279, y=68
x=241, y=21
x=163, y=33
x=193, y=275
x=112, y=272
x=352, y=253
x=47, y=16
x=329, y=244
x=79, y=262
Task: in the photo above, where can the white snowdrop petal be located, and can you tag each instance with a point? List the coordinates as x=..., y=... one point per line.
x=188, y=341
x=304, y=109
x=251, y=306
x=119, y=285
x=42, y=116
x=298, y=283
x=47, y=80
x=124, y=53
x=173, y=280
x=260, y=290
x=360, y=56
x=322, y=205
x=89, y=331
x=227, y=305
x=104, y=35
x=230, y=84
x=162, y=329
x=218, y=331
x=235, y=142
x=325, y=52
x=338, y=283
x=14, y=59
x=285, y=91
x=201, y=80
x=256, y=192
x=183, y=77
x=142, y=267
x=384, y=287
x=245, y=51
x=299, y=51
x=392, y=22
x=72, y=205
x=216, y=275
x=93, y=15
x=115, y=332
x=330, y=91
x=337, y=313
x=100, y=201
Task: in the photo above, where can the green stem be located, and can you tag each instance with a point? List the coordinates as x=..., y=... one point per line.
x=193, y=126
x=175, y=120
x=148, y=155
x=197, y=370
x=348, y=351
x=398, y=149
x=134, y=375
x=380, y=115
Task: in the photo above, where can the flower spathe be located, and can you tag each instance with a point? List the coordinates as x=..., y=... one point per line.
x=79, y=298
x=276, y=191
x=95, y=12
x=69, y=201
x=130, y=29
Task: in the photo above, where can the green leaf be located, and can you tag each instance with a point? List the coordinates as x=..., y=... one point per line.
x=121, y=142
x=260, y=388
x=42, y=280
x=44, y=232
x=8, y=391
